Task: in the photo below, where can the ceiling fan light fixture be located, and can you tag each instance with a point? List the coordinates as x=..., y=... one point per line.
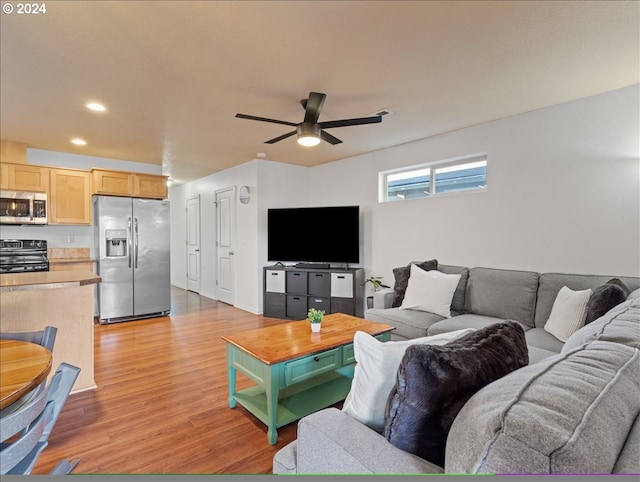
x=308, y=134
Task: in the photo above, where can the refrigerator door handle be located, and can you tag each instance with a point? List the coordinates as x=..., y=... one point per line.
x=130, y=238
x=135, y=243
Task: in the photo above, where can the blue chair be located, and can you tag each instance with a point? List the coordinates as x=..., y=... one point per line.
x=45, y=337
x=24, y=432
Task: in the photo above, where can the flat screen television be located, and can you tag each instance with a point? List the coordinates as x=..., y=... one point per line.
x=328, y=234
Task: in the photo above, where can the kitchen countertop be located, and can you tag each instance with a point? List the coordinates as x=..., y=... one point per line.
x=47, y=280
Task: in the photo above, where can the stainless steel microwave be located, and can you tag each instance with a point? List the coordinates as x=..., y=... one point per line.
x=21, y=207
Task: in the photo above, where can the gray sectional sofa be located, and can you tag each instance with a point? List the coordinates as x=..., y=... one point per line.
x=487, y=295
x=574, y=409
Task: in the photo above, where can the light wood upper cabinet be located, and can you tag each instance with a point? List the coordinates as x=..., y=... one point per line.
x=69, y=196
x=151, y=186
x=11, y=151
x=115, y=183
x=24, y=177
x=4, y=175
x=119, y=183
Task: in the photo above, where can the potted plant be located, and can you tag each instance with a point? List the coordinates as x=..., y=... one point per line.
x=315, y=318
x=377, y=283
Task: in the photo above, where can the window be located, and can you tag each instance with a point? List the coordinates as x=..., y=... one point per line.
x=468, y=174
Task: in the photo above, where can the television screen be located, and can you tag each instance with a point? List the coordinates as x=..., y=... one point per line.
x=314, y=234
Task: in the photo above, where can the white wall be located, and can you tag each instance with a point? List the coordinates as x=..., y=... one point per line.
x=563, y=194
x=271, y=184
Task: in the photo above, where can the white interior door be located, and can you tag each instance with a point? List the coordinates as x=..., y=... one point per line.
x=225, y=208
x=193, y=244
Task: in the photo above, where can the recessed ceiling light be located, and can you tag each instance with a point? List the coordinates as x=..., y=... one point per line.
x=78, y=142
x=96, y=107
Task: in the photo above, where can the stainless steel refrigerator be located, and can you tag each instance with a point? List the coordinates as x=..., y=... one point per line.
x=132, y=248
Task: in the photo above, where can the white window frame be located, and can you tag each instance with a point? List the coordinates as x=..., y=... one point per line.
x=429, y=169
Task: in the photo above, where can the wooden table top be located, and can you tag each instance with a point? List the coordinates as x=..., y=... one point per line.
x=293, y=339
x=23, y=366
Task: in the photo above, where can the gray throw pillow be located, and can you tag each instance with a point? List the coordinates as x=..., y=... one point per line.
x=434, y=382
x=401, y=276
x=605, y=297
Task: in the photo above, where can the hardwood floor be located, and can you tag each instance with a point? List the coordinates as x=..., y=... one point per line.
x=161, y=402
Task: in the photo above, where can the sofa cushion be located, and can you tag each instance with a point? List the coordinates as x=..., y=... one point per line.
x=628, y=460
x=550, y=284
x=501, y=293
x=460, y=322
x=408, y=323
x=430, y=291
x=401, y=278
x=544, y=340
x=434, y=382
x=457, y=304
x=330, y=441
x=537, y=354
x=605, y=297
x=375, y=374
x=285, y=461
x=570, y=413
x=620, y=325
x=568, y=313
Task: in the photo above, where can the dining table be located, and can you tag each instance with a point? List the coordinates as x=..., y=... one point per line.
x=23, y=366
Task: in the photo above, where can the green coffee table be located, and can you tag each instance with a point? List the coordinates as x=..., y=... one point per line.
x=296, y=372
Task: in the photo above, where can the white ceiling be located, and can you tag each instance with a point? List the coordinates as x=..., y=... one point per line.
x=173, y=74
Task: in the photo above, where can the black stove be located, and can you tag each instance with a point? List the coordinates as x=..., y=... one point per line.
x=23, y=255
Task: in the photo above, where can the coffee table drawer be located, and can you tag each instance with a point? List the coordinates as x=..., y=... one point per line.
x=297, y=371
x=348, y=355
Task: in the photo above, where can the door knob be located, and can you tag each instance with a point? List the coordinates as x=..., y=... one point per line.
x=231, y=253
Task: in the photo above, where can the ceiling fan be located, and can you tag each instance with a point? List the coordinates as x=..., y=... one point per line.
x=310, y=131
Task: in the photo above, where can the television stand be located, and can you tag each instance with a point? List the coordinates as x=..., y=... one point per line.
x=313, y=265
x=290, y=291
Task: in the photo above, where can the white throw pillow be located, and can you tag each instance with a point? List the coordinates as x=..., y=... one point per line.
x=568, y=313
x=430, y=291
x=375, y=373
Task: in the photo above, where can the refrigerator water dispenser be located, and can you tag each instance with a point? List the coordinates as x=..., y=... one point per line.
x=116, y=242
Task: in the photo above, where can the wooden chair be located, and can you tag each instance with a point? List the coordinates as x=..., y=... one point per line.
x=24, y=433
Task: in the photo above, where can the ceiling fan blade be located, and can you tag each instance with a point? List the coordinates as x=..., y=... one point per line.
x=279, y=138
x=264, y=119
x=313, y=106
x=329, y=138
x=350, y=122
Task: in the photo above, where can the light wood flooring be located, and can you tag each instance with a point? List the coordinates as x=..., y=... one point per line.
x=161, y=402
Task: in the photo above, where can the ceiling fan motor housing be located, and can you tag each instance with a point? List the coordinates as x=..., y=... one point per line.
x=308, y=129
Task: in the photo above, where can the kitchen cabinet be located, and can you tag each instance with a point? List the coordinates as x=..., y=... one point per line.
x=4, y=175
x=150, y=186
x=69, y=196
x=24, y=177
x=114, y=183
x=11, y=151
x=119, y=183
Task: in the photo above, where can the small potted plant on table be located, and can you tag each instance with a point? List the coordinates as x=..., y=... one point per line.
x=315, y=319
